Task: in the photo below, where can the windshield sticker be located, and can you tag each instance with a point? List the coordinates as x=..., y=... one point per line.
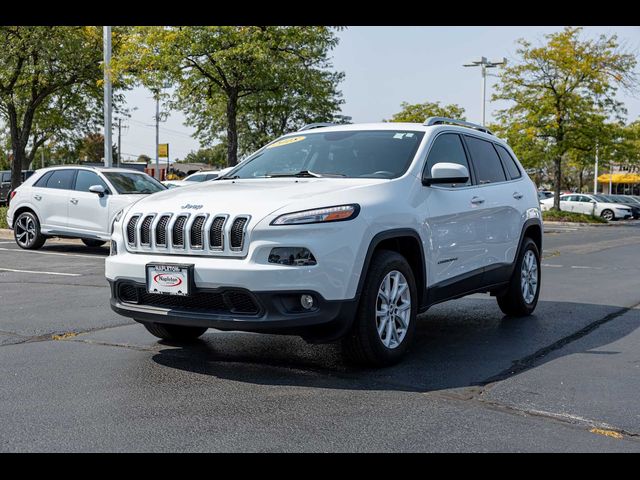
x=286, y=141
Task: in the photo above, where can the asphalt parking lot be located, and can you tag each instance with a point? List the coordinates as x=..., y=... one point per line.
x=74, y=376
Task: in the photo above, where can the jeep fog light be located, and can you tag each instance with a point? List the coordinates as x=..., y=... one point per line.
x=295, y=256
x=306, y=301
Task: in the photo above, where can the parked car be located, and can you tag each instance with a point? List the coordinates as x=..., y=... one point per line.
x=5, y=184
x=203, y=176
x=544, y=194
x=343, y=232
x=590, y=205
x=74, y=202
x=629, y=202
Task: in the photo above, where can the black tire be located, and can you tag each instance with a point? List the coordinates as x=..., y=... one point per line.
x=512, y=302
x=363, y=345
x=26, y=231
x=608, y=215
x=178, y=333
x=92, y=243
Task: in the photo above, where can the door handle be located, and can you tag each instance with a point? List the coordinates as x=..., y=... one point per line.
x=477, y=200
x=37, y=197
x=517, y=195
x=74, y=201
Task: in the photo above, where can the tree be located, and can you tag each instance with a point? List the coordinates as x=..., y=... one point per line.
x=42, y=68
x=419, y=112
x=91, y=148
x=218, y=68
x=563, y=91
x=215, y=156
x=144, y=158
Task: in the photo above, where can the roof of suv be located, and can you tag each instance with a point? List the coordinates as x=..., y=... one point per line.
x=88, y=167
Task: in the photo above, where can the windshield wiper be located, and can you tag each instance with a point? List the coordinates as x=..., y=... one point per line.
x=304, y=174
x=225, y=177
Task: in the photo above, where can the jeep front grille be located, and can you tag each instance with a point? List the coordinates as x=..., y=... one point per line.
x=187, y=234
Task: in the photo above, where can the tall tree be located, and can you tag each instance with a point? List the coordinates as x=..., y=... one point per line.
x=562, y=91
x=419, y=112
x=217, y=68
x=42, y=67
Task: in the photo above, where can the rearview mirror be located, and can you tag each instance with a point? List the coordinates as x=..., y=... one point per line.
x=99, y=189
x=445, y=172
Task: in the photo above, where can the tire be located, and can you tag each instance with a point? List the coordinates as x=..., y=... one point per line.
x=92, y=243
x=26, y=231
x=514, y=302
x=178, y=333
x=363, y=345
x=608, y=215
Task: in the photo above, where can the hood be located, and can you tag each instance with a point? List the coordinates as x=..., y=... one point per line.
x=255, y=197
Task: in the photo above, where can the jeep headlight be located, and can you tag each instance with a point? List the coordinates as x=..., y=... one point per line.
x=338, y=213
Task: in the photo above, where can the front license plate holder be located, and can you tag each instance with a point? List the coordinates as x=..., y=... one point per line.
x=170, y=279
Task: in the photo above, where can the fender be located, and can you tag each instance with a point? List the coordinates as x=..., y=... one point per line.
x=387, y=235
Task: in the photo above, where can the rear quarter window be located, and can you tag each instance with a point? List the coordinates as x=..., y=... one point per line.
x=509, y=163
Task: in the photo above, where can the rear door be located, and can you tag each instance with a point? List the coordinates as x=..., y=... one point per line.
x=51, y=197
x=88, y=212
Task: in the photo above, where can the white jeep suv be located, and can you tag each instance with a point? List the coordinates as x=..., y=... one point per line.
x=342, y=232
x=74, y=202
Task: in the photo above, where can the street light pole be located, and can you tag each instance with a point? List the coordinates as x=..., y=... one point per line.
x=595, y=173
x=157, y=175
x=107, y=96
x=483, y=63
x=119, y=161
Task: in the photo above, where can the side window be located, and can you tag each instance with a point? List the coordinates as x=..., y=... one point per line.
x=61, y=179
x=86, y=179
x=508, y=162
x=42, y=181
x=447, y=148
x=6, y=177
x=486, y=160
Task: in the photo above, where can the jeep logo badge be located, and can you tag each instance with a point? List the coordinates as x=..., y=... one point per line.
x=188, y=206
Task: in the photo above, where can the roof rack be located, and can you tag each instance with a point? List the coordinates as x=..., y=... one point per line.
x=444, y=120
x=311, y=126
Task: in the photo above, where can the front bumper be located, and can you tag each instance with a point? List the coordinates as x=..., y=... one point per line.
x=277, y=312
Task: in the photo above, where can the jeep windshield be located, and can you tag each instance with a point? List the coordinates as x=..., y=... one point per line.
x=344, y=154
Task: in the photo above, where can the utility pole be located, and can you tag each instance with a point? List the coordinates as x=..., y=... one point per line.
x=107, y=96
x=595, y=173
x=119, y=142
x=157, y=170
x=483, y=63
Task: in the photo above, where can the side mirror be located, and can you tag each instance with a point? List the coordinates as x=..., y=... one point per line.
x=593, y=201
x=98, y=189
x=445, y=172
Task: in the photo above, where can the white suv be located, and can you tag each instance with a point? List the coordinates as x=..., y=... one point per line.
x=343, y=232
x=74, y=202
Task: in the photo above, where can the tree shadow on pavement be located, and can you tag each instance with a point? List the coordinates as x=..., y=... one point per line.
x=462, y=343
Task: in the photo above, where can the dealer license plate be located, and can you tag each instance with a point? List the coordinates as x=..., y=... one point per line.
x=169, y=279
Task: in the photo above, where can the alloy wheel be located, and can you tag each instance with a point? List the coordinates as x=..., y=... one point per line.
x=25, y=230
x=393, y=309
x=529, y=276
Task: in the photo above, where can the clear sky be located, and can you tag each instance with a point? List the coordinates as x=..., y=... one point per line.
x=385, y=66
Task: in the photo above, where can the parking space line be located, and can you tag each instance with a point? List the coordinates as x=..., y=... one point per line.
x=550, y=265
x=40, y=273
x=51, y=253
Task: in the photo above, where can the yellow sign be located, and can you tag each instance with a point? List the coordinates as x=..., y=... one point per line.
x=163, y=150
x=286, y=141
x=619, y=178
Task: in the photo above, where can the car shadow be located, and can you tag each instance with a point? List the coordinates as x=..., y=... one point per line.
x=76, y=249
x=463, y=343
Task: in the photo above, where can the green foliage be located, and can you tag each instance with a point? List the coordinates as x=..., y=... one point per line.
x=50, y=85
x=215, y=156
x=3, y=217
x=144, y=158
x=222, y=73
x=561, y=216
x=419, y=112
x=562, y=95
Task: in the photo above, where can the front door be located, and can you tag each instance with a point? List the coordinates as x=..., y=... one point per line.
x=88, y=212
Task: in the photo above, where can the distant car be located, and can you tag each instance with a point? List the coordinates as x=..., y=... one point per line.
x=203, y=176
x=544, y=194
x=589, y=204
x=5, y=184
x=629, y=202
x=74, y=202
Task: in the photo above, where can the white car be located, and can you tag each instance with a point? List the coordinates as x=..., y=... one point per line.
x=589, y=205
x=197, y=177
x=74, y=202
x=343, y=232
